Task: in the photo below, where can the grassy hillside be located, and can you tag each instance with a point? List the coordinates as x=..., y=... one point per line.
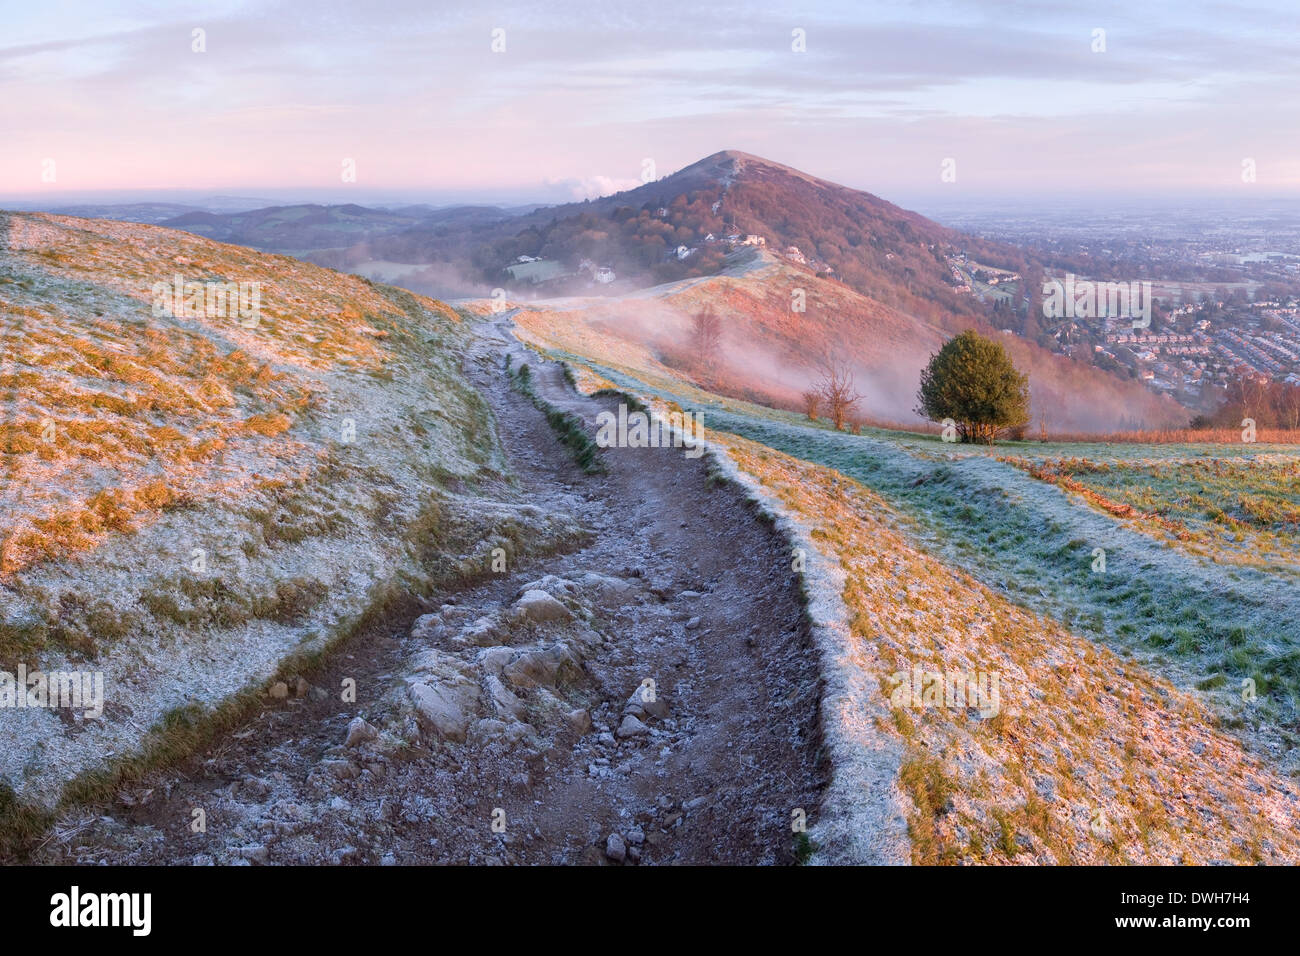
x=1089, y=759
x=1126, y=733
x=194, y=504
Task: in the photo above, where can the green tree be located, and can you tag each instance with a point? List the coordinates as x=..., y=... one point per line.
x=973, y=381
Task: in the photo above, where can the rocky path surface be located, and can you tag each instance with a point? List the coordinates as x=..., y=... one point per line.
x=650, y=697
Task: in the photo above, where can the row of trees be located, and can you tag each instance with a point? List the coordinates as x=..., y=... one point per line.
x=1270, y=404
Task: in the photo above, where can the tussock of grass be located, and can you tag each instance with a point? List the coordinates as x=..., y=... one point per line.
x=569, y=427
x=930, y=788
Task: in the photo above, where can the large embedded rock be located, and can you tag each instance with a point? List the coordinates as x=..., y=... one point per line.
x=482, y=632
x=428, y=627
x=536, y=605
x=494, y=659
x=631, y=727
x=606, y=592
x=360, y=732
x=506, y=703
x=447, y=705
x=543, y=667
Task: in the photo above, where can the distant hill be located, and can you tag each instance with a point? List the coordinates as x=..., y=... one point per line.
x=312, y=227
x=146, y=212
x=770, y=353
x=880, y=249
x=931, y=280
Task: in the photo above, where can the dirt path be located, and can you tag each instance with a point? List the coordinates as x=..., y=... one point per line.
x=505, y=730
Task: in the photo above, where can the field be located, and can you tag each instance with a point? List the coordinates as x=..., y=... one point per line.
x=201, y=508
x=1236, y=510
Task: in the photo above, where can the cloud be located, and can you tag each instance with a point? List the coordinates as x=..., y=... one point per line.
x=593, y=187
x=284, y=91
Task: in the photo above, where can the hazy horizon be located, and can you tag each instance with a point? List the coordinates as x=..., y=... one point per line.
x=522, y=196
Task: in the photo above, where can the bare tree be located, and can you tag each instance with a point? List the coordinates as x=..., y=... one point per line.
x=812, y=403
x=1253, y=391
x=836, y=389
x=1039, y=405
x=1290, y=402
x=706, y=336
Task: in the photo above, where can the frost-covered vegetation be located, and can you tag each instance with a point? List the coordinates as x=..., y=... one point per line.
x=193, y=506
x=1037, y=545
x=1139, y=656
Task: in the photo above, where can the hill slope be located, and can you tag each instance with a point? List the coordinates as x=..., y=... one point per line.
x=312, y=227
x=878, y=248
x=192, y=501
x=905, y=269
x=770, y=354
x=1122, y=731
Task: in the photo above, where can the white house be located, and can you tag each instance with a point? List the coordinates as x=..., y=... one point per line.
x=605, y=274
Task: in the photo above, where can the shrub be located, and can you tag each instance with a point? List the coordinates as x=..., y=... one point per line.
x=973, y=381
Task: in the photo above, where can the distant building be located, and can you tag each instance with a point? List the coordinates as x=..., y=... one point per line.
x=752, y=240
x=604, y=274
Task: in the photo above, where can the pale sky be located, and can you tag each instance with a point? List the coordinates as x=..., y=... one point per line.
x=584, y=92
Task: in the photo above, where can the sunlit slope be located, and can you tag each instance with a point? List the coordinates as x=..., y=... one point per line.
x=190, y=499
x=1089, y=758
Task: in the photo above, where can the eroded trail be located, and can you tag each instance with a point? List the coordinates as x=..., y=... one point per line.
x=501, y=726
